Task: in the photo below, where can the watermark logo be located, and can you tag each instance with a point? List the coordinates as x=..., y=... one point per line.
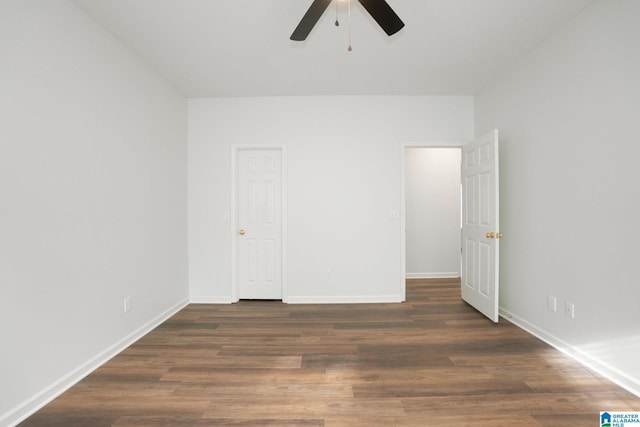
x=605, y=419
x=619, y=419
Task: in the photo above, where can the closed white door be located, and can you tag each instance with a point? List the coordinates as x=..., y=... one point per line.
x=480, y=225
x=259, y=233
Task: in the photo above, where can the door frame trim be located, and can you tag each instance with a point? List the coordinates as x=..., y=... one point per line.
x=403, y=208
x=235, y=149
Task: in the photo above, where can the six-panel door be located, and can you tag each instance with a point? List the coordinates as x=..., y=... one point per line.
x=260, y=224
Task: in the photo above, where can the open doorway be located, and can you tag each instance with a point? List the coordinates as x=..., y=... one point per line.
x=478, y=259
x=432, y=212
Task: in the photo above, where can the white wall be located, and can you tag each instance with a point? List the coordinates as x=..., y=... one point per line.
x=92, y=200
x=568, y=118
x=343, y=156
x=432, y=212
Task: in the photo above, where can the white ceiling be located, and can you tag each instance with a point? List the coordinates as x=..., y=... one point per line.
x=209, y=48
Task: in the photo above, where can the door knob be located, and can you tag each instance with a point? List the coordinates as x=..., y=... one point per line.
x=491, y=235
x=241, y=232
x=499, y=235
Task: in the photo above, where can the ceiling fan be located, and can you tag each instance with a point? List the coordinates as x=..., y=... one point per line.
x=378, y=9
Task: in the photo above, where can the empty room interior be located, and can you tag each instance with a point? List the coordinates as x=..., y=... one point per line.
x=209, y=219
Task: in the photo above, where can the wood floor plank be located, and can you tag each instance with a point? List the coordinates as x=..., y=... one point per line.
x=432, y=360
x=243, y=376
x=304, y=407
x=451, y=420
x=511, y=404
x=212, y=422
x=320, y=390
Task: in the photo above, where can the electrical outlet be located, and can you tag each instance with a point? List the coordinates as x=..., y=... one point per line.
x=127, y=304
x=570, y=310
x=552, y=303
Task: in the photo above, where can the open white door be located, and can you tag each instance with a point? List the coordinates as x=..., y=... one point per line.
x=480, y=225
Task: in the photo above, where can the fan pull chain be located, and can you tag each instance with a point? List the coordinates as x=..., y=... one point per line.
x=349, y=5
x=337, y=23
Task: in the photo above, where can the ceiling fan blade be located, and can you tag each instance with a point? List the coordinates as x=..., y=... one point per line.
x=309, y=19
x=384, y=15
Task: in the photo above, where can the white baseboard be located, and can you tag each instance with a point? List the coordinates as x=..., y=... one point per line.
x=344, y=299
x=33, y=404
x=437, y=275
x=614, y=375
x=309, y=299
x=210, y=300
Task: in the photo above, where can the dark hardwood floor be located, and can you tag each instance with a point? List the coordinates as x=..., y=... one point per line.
x=432, y=361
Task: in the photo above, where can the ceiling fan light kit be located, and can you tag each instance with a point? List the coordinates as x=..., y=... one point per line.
x=379, y=10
